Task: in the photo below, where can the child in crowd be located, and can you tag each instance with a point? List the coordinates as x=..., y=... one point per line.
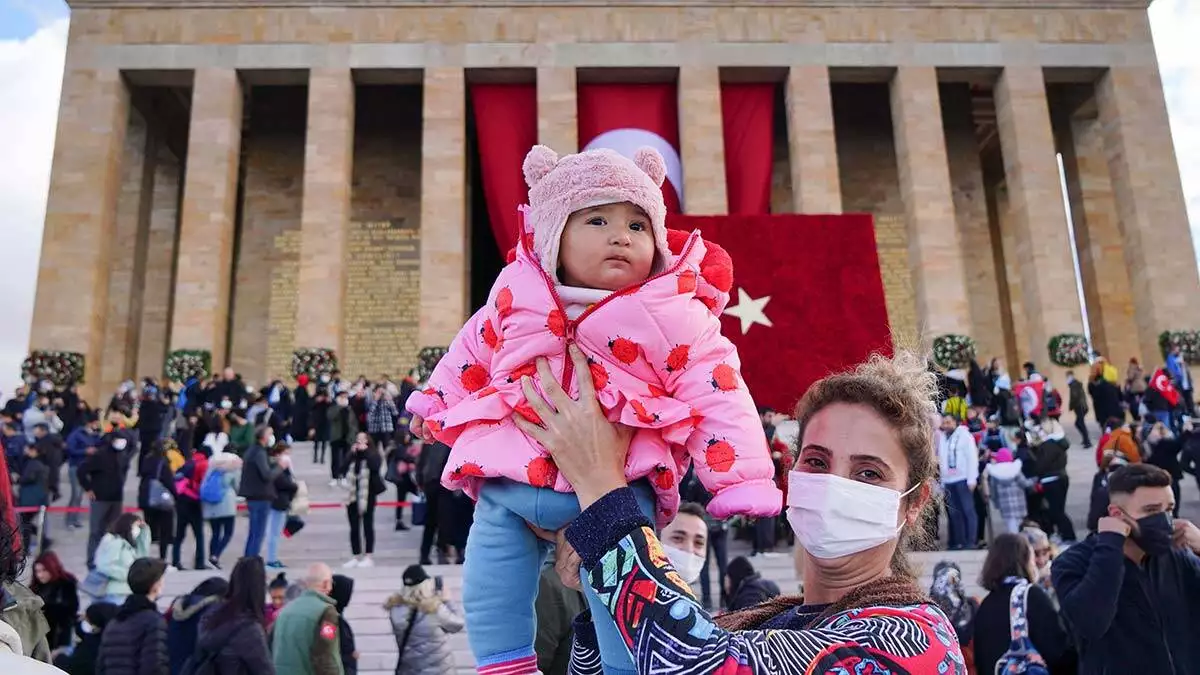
x=276, y=590
x=82, y=658
x=595, y=269
x=1007, y=485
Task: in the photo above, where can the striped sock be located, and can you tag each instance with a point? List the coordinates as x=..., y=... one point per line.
x=521, y=666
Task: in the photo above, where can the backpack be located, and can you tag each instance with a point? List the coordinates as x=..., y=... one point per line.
x=158, y=497
x=212, y=488
x=1022, y=658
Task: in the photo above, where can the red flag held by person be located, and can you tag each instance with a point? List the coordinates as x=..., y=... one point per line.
x=1161, y=382
x=1029, y=395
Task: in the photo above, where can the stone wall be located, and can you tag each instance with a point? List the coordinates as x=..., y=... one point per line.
x=268, y=251
x=153, y=336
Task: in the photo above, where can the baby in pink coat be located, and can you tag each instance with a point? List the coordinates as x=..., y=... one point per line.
x=596, y=267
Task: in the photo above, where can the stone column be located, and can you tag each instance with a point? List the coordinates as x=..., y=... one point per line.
x=328, y=164
x=702, y=141
x=934, y=249
x=971, y=212
x=558, y=115
x=205, y=254
x=812, y=143
x=444, y=230
x=71, y=304
x=1098, y=241
x=160, y=262
x=1041, y=244
x=1151, y=208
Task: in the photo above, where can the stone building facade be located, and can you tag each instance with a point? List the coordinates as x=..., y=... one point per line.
x=220, y=164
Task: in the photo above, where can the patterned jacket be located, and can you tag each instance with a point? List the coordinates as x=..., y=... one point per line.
x=667, y=630
x=381, y=416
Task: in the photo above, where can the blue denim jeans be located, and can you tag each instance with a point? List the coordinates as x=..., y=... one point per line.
x=74, y=519
x=504, y=559
x=275, y=523
x=259, y=510
x=960, y=515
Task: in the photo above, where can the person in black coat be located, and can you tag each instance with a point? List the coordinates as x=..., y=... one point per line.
x=1009, y=562
x=343, y=589
x=33, y=492
x=135, y=643
x=89, y=632
x=51, y=450
x=1106, y=398
x=363, y=468
x=745, y=587
x=1164, y=453
x=160, y=521
x=151, y=415
x=185, y=615
x=60, y=598
x=232, y=639
x=301, y=405
x=102, y=477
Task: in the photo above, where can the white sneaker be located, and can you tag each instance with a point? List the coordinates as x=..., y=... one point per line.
x=353, y=562
x=366, y=562
x=344, y=482
x=332, y=482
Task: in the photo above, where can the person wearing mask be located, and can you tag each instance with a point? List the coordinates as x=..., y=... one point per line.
x=1131, y=592
x=948, y=592
x=362, y=467
x=342, y=592
x=421, y=619
x=745, y=587
x=1009, y=575
x=51, y=451
x=184, y=617
x=102, y=477
x=280, y=400
x=1050, y=462
x=89, y=631
x=1164, y=449
x=865, y=447
x=59, y=592
x=156, y=477
x=135, y=643
x=257, y=485
x=232, y=638
x=718, y=542
x=188, y=510
x=685, y=541
x=1077, y=402
x=286, y=489
x=305, y=635
x=128, y=540
x=276, y=598
x=241, y=432
x=343, y=428
x=82, y=442
x=41, y=412
x=217, y=437
x=218, y=502
x=958, y=458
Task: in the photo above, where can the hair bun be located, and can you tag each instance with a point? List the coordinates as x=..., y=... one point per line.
x=540, y=161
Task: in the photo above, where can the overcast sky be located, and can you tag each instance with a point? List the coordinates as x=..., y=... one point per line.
x=33, y=37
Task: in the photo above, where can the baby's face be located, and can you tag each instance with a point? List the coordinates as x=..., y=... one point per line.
x=606, y=247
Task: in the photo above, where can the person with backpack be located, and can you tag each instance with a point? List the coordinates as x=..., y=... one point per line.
x=184, y=617
x=421, y=619
x=187, y=508
x=232, y=639
x=1038, y=640
x=156, y=498
x=218, y=502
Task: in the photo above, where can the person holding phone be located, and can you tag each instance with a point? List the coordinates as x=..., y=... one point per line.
x=421, y=618
x=361, y=467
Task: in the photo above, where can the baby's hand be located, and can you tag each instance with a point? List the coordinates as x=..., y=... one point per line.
x=417, y=426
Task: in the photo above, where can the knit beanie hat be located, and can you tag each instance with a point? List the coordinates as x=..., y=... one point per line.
x=413, y=575
x=560, y=187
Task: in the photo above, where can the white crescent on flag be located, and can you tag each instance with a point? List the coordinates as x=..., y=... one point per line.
x=626, y=141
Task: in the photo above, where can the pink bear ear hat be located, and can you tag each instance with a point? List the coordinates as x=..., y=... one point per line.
x=559, y=187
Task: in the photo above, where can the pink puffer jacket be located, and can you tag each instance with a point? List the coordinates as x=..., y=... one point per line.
x=659, y=363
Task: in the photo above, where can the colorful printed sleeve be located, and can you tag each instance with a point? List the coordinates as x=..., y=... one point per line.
x=666, y=629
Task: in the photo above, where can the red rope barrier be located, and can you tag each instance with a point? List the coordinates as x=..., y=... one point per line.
x=134, y=509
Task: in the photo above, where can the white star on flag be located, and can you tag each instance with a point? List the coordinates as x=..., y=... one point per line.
x=750, y=310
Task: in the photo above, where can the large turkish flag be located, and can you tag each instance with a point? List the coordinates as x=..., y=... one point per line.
x=807, y=297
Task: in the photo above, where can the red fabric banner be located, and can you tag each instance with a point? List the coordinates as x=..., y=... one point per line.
x=624, y=117
x=1161, y=382
x=815, y=280
x=1030, y=396
x=506, y=127
x=748, y=118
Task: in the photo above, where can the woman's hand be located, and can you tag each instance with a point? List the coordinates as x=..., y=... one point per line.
x=588, y=449
x=417, y=427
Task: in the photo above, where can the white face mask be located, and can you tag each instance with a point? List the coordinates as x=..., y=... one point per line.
x=835, y=517
x=136, y=531
x=688, y=564
x=118, y=444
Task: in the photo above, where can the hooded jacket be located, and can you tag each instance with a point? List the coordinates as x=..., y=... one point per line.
x=958, y=456
x=78, y=442
x=237, y=647
x=659, y=363
x=183, y=624
x=1007, y=483
x=428, y=650
x=343, y=589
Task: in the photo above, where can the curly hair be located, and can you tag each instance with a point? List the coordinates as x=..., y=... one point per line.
x=902, y=391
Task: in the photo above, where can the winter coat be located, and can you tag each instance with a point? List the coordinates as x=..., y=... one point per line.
x=993, y=632
x=285, y=491
x=381, y=416
x=158, y=469
x=301, y=421
x=227, y=507
x=366, y=465
x=958, y=457
x=258, y=475
x=659, y=363
x=135, y=642
x=241, y=437
x=1165, y=455
x=22, y=610
x=1007, y=485
x=189, y=477
x=343, y=589
x=103, y=472
x=1120, y=440
x=237, y=647
x=1050, y=458
x=304, y=637
x=753, y=590
x=183, y=625
x=343, y=424
x=319, y=416
x=1106, y=400
x=82, y=660
x=1077, y=400
x=33, y=482
x=78, y=443
x=428, y=649
x=61, y=607
x=52, y=450
x=114, y=555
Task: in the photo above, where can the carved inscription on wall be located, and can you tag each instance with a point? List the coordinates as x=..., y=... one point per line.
x=281, y=312
x=383, y=294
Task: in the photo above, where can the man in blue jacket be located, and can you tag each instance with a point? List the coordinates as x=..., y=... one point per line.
x=1131, y=592
x=82, y=442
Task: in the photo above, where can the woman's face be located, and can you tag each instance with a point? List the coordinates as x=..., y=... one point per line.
x=40, y=572
x=362, y=440
x=853, y=441
x=277, y=596
x=1041, y=556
